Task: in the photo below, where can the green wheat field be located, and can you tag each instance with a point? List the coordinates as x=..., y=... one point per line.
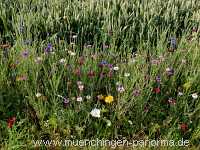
x=99, y=69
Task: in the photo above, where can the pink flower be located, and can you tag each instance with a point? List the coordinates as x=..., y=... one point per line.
x=120, y=89
x=172, y=101
x=136, y=92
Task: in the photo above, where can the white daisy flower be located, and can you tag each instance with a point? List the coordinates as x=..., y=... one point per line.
x=95, y=113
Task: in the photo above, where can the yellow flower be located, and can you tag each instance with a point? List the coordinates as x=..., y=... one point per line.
x=109, y=99
x=187, y=85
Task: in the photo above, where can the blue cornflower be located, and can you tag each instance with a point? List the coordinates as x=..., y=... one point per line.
x=103, y=63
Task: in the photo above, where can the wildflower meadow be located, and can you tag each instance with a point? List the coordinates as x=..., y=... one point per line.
x=99, y=74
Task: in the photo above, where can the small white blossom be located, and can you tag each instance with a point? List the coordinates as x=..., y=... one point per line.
x=38, y=95
x=130, y=122
x=108, y=123
x=71, y=53
x=126, y=74
x=116, y=68
x=168, y=69
x=180, y=94
x=81, y=87
x=62, y=61
x=95, y=113
x=79, y=82
x=194, y=96
x=79, y=99
x=88, y=97
x=74, y=36
x=46, y=123
x=117, y=83
x=38, y=60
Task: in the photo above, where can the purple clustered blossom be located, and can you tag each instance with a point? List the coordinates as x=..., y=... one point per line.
x=48, y=48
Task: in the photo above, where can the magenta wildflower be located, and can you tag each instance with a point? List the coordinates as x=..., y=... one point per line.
x=120, y=88
x=65, y=102
x=102, y=74
x=158, y=79
x=25, y=54
x=136, y=93
x=110, y=66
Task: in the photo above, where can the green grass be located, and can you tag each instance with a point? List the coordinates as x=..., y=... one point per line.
x=87, y=40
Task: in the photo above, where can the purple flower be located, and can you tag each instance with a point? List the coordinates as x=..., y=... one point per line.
x=136, y=92
x=102, y=74
x=65, y=102
x=110, y=66
x=25, y=54
x=48, y=48
x=158, y=79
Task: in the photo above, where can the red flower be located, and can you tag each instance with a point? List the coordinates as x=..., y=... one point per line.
x=183, y=127
x=11, y=121
x=91, y=74
x=156, y=90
